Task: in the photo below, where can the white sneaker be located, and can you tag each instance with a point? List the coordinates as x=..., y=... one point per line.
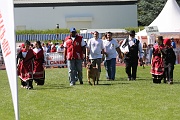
x=71, y=84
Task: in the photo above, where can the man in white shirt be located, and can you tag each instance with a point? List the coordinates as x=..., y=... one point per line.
x=131, y=47
x=111, y=47
x=95, y=49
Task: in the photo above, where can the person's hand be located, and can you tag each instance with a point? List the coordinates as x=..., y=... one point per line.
x=141, y=61
x=87, y=58
x=65, y=61
x=106, y=54
x=43, y=65
x=121, y=60
x=125, y=53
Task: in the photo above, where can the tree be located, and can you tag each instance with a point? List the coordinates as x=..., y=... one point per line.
x=148, y=10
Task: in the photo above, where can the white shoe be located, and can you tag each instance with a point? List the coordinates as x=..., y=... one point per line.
x=71, y=84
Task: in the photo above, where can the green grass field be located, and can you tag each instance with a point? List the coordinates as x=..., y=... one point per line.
x=111, y=100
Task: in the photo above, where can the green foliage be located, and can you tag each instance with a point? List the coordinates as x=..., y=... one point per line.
x=137, y=29
x=148, y=10
x=53, y=31
x=111, y=100
x=65, y=31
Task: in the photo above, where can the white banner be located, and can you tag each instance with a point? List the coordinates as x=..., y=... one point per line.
x=7, y=39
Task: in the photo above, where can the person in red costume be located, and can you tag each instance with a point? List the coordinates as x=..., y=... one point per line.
x=74, y=47
x=25, y=66
x=157, y=68
x=38, y=71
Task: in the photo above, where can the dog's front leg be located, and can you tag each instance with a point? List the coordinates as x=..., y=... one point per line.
x=94, y=80
x=89, y=81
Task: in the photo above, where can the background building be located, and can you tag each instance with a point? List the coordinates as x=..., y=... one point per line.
x=46, y=14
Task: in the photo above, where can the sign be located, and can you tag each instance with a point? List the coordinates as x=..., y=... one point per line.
x=54, y=59
x=152, y=30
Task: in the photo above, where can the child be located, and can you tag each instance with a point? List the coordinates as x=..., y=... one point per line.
x=169, y=59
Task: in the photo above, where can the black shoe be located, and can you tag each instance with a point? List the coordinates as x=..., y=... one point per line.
x=133, y=78
x=29, y=88
x=129, y=79
x=81, y=82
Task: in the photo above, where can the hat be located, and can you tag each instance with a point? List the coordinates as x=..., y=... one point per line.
x=167, y=42
x=132, y=32
x=22, y=45
x=73, y=30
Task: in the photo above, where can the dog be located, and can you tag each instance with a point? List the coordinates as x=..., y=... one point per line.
x=92, y=73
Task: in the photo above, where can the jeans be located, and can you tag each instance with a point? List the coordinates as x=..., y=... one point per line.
x=110, y=66
x=74, y=69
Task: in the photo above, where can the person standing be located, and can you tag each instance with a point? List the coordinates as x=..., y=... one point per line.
x=144, y=47
x=173, y=44
x=111, y=48
x=131, y=47
x=157, y=68
x=74, y=47
x=169, y=59
x=25, y=66
x=95, y=49
x=39, y=63
x=60, y=48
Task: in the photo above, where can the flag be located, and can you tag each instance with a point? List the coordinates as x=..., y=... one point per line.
x=8, y=46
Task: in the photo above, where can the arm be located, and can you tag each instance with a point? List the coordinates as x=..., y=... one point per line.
x=152, y=56
x=140, y=52
x=119, y=52
x=19, y=57
x=65, y=53
x=174, y=56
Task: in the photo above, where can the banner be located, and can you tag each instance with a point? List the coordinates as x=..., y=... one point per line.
x=152, y=30
x=7, y=40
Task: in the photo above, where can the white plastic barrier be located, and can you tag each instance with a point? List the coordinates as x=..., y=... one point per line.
x=54, y=60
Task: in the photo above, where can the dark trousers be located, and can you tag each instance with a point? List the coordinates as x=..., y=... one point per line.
x=168, y=72
x=131, y=68
x=39, y=81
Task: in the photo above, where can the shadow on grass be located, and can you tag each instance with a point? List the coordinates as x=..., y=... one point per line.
x=53, y=86
x=176, y=82
x=144, y=79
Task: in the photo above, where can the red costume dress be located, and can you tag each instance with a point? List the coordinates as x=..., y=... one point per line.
x=157, y=68
x=25, y=66
x=38, y=72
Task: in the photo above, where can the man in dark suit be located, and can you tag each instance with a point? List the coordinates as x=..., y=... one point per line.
x=132, y=49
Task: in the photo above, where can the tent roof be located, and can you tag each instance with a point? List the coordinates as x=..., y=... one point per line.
x=168, y=20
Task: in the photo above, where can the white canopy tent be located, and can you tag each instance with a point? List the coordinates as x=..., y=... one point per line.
x=167, y=21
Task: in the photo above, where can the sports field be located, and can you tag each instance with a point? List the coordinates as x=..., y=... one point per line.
x=110, y=100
